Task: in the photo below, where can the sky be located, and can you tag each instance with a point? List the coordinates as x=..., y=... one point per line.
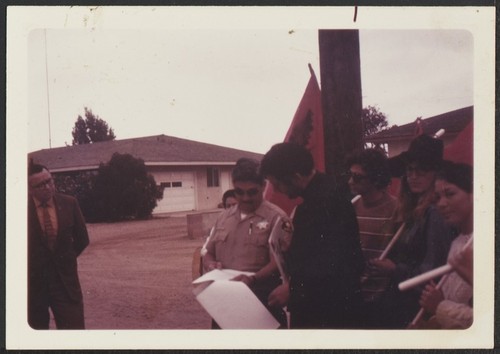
x=237, y=88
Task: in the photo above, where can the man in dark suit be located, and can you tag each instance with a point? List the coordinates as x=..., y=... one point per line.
x=57, y=235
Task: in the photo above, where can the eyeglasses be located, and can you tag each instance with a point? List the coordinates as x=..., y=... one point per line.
x=252, y=192
x=43, y=184
x=356, y=177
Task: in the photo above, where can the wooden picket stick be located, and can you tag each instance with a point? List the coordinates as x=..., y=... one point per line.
x=431, y=274
x=392, y=242
x=420, y=313
x=439, y=133
x=419, y=279
x=355, y=199
x=425, y=277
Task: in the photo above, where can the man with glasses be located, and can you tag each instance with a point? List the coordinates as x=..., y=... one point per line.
x=240, y=239
x=368, y=176
x=57, y=235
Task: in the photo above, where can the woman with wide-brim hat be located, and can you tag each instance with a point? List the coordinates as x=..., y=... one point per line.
x=425, y=240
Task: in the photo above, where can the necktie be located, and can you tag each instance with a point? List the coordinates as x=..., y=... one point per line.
x=50, y=233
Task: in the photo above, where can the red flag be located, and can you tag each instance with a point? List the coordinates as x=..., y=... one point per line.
x=306, y=129
x=461, y=149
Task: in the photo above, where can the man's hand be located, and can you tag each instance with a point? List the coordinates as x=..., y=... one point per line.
x=381, y=267
x=248, y=280
x=279, y=296
x=214, y=265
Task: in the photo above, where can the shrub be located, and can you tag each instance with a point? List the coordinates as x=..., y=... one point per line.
x=123, y=189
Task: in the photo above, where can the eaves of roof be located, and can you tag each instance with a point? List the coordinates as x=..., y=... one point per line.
x=160, y=150
x=452, y=122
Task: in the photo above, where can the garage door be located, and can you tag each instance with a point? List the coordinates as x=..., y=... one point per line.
x=178, y=192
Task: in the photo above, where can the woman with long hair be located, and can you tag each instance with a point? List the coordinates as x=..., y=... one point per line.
x=425, y=239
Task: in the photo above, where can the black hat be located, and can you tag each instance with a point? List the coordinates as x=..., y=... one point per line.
x=426, y=151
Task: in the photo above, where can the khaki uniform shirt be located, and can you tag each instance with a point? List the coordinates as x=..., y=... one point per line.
x=244, y=244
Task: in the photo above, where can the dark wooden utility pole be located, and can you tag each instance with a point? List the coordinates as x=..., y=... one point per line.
x=341, y=96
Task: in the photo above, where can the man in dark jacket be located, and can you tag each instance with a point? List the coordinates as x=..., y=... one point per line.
x=324, y=260
x=57, y=235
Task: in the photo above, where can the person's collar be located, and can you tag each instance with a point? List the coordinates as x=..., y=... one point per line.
x=374, y=198
x=49, y=202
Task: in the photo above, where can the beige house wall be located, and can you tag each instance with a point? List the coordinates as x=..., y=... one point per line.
x=205, y=197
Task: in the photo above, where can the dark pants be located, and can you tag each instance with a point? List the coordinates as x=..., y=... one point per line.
x=395, y=310
x=68, y=314
x=327, y=312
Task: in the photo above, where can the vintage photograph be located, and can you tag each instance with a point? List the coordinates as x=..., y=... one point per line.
x=187, y=168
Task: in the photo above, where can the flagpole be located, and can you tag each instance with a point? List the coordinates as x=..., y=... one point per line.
x=311, y=69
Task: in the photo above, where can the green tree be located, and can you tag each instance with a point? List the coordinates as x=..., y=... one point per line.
x=91, y=129
x=124, y=190
x=373, y=120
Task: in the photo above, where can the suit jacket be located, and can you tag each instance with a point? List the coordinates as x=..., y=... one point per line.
x=71, y=240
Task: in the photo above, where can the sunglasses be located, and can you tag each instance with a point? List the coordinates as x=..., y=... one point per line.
x=357, y=178
x=252, y=192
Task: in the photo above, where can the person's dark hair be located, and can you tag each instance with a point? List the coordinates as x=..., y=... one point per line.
x=247, y=170
x=285, y=160
x=228, y=194
x=375, y=164
x=459, y=174
x=35, y=168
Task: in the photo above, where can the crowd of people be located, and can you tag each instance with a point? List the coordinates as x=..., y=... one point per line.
x=345, y=258
x=342, y=260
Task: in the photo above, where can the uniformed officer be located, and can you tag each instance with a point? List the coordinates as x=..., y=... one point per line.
x=240, y=239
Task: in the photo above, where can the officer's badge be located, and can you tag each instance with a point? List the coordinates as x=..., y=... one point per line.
x=286, y=226
x=263, y=225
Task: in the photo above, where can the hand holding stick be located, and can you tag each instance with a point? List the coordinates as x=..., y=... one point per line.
x=425, y=277
x=428, y=276
x=420, y=313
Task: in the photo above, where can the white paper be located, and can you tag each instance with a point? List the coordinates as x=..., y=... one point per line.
x=233, y=306
x=220, y=274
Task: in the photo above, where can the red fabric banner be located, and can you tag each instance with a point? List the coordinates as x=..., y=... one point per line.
x=461, y=149
x=306, y=129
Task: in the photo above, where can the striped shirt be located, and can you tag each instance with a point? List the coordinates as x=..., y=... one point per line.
x=376, y=229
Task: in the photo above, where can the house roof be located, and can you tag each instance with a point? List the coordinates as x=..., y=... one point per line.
x=159, y=150
x=452, y=122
